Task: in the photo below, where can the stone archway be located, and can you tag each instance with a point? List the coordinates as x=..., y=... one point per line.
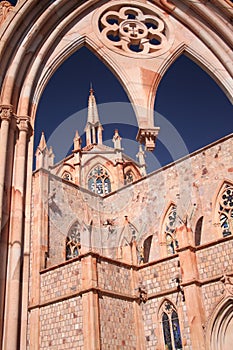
x=220, y=333
x=35, y=38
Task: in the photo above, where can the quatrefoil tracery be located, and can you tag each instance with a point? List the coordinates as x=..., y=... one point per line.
x=134, y=31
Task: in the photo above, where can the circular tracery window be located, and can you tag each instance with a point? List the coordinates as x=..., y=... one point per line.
x=134, y=30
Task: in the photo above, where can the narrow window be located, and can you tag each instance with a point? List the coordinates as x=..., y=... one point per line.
x=99, y=181
x=73, y=242
x=171, y=327
x=226, y=211
x=146, y=249
x=198, y=230
x=170, y=230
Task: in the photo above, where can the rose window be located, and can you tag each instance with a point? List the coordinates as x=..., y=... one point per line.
x=134, y=31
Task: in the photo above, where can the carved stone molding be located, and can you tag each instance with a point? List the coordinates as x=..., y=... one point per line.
x=228, y=284
x=136, y=31
x=148, y=137
x=5, y=8
x=24, y=124
x=6, y=112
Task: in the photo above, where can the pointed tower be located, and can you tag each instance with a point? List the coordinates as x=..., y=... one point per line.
x=93, y=127
x=44, y=156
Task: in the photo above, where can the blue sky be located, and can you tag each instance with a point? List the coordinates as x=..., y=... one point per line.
x=190, y=108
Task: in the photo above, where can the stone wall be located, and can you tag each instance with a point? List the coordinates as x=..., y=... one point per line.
x=61, y=325
x=158, y=279
x=61, y=281
x=116, y=278
x=117, y=324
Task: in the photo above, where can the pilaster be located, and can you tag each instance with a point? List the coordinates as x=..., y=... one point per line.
x=192, y=294
x=14, y=276
x=8, y=122
x=91, y=319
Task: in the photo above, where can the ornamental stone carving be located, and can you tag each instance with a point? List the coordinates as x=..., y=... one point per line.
x=134, y=31
x=6, y=111
x=5, y=8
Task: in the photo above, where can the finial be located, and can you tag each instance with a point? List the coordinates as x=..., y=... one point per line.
x=91, y=89
x=42, y=144
x=77, y=141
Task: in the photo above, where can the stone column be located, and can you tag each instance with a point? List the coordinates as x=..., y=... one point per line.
x=5, y=215
x=13, y=285
x=6, y=114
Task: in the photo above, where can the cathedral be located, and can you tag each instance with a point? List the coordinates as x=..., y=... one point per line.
x=97, y=254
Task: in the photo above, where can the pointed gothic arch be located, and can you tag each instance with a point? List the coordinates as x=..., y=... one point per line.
x=99, y=180
x=223, y=209
x=168, y=240
x=219, y=335
x=198, y=231
x=28, y=59
x=170, y=328
x=73, y=241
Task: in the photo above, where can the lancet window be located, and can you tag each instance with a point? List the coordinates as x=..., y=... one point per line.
x=73, y=241
x=226, y=210
x=99, y=181
x=171, y=327
x=170, y=230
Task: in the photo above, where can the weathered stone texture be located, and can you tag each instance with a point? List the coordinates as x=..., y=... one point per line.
x=117, y=325
x=114, y=277
x=215, y=260
x=160, y=276
x=212, y=293
x=61, y=325
x=60, y=282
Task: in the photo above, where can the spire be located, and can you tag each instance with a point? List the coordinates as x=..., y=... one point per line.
x=44, y=156
x=93, y=116
x=42, y=144
x=93, y=127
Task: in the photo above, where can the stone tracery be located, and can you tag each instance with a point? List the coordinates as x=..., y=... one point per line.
x=133, y=30
x=226, y=210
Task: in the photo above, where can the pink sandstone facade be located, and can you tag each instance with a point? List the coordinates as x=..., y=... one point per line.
x=95, y=253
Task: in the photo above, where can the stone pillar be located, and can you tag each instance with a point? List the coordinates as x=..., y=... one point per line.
x=13, y=285
x=5, y=216
x=139, y=327
x=6, y=114
x=90, y=300
x=193, y=297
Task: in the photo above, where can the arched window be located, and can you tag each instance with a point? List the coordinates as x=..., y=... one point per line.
x=220, y=329
x=98, y=180
x=198, y=230
x=170, y=230
x=73, y=241
x=129, y=177
x=147, y=246
x=171, y=327
x=226, y=210
x=67, y=176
